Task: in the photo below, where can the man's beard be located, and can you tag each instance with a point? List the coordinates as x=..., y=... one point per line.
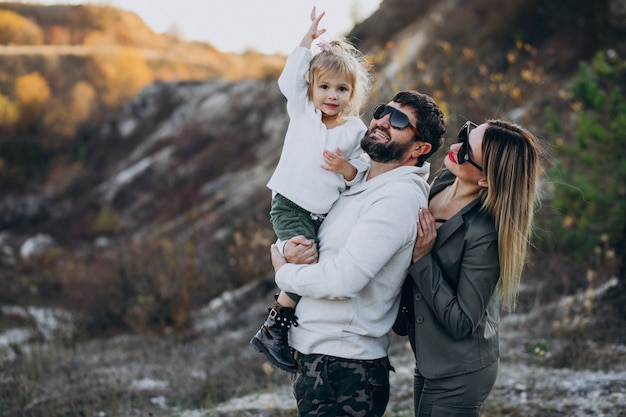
x=384, y=152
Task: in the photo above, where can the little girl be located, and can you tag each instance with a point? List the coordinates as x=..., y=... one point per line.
x=321, y=156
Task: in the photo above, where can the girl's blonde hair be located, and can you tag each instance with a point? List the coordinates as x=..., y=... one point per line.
x=341, y=57
x=511, y=165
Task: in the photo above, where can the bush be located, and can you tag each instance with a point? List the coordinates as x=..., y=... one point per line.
x=16, y=29
x=586, y=211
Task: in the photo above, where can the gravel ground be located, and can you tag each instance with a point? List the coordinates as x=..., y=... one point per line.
x=131, y=375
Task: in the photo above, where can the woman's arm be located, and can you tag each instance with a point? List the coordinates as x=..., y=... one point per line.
x=460, y=311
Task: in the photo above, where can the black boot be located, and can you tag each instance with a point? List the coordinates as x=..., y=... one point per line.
x=271, y=339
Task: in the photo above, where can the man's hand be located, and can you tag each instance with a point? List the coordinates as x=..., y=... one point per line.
x=297, y=250
x=300, y=250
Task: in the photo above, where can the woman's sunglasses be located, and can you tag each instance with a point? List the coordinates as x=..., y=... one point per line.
x=397, y=119
x=465, y=152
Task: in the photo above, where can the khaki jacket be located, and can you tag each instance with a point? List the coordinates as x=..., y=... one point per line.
x=455, y=330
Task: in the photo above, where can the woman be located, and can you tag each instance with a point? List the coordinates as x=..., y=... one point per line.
x=467, y=261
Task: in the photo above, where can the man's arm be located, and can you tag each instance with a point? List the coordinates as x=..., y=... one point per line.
x=384, y=228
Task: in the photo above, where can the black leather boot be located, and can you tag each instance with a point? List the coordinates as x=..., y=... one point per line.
x=271, y=339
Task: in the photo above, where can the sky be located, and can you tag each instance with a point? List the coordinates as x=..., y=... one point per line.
x=269, y=26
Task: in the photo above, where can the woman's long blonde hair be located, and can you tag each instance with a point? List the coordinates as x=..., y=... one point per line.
x=341, y=57
x=511, y=165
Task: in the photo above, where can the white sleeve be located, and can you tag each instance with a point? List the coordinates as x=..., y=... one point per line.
x=381, y=231
x=292, y=82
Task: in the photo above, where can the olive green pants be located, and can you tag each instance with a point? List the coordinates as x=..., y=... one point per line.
x=289, y=220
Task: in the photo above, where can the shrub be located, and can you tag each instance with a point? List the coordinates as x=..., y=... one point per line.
x=16, y=29
x=589, y=175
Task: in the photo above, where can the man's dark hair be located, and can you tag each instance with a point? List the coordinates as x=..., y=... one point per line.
x=430, y=121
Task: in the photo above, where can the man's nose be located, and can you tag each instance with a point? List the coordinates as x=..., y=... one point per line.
x=384, y=121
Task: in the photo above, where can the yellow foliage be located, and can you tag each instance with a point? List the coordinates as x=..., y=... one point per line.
x=31, y=91
x=58, y=35
x=445, y=46
x=9, y=113
x=108, y=221
x=120, y=76
x=99, y=39
x=468, y=54
x=62, y=119
x=576, y=106
x=511, y=57
x=476, y=93
x=82, y=100
x=568, y=221
x=516, y=93
x=17, y=29
x=526, y=75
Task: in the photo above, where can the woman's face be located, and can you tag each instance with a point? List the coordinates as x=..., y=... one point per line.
x=470, y=142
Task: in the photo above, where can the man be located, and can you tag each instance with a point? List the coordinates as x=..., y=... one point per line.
x=350, y=298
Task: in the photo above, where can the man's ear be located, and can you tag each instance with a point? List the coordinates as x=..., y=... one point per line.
x=422, y=149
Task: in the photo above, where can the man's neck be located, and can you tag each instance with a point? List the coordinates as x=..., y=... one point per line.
x=378, y=168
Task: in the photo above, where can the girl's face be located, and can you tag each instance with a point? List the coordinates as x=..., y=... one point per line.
x=472, y=140
x=331, y=94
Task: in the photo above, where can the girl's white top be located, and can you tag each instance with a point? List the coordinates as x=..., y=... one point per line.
x=298, y=175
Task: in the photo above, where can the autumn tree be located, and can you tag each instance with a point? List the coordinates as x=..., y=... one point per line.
x=16, y=29
x=119, y=76
x=9, y=113
x=31, y=94
x=64, y=115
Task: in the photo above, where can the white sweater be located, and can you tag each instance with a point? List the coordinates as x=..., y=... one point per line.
x=298, y=175
x=351, y=297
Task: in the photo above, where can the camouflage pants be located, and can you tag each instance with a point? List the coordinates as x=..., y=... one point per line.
x=326, y=386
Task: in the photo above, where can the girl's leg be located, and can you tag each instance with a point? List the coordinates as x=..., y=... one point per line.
x=288, y=220
x=271, y=339
x=287, y=299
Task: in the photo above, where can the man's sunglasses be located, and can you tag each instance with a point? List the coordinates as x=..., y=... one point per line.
x=397, y=119
x=465, y=152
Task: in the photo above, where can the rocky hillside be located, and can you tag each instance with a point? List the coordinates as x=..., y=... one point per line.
x=154, y=223
x=192, y=157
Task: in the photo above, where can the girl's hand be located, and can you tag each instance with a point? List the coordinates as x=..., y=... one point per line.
x=313, y=32
x=426, y=235
x=336, y=162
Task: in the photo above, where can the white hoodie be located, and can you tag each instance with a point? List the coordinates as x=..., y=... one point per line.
x=351, y=297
